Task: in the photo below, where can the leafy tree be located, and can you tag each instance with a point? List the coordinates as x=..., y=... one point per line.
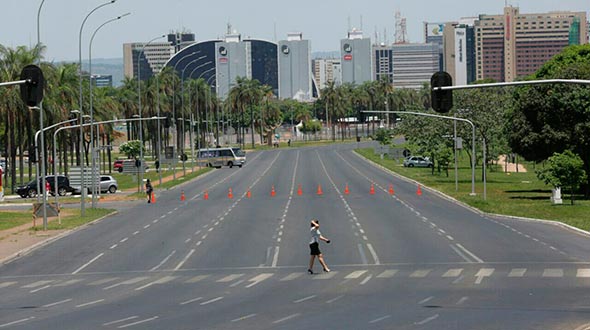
x=131, y=148
x=564, y=170
x=382, y=136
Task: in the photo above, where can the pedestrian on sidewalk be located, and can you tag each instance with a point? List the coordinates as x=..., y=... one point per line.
x=149, y=190
x=314, y=246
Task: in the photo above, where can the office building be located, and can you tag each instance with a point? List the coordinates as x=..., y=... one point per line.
x=295, y=80
x=180, y=40
x=512, y=44
x=357, y=65
x=459, y=51
x=327, y=70
x=414, y=64
x=151, y=60
x=383, y=62
x=433, y=34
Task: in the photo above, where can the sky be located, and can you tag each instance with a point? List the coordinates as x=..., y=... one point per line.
x=324, y=22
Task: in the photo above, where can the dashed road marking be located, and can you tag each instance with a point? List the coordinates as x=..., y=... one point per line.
x=90, y=303
x=453, y=272
x=517, y=272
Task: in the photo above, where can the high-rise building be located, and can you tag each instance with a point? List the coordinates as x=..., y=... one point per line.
x=383, y=62
x=179, y=40
x=151, y=61
x=327, y=70
x=356, y=58
x=414, y=64
x=514, y=44
x=295, y=79
x=459, y=51
x=433, y=34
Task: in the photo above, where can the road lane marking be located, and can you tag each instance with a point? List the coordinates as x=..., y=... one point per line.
x=334, y=299
x=367, y=279
x=454, y=272
x=304, y=299
x=355, y=274
x=196, y=279
x=257, y=279
x=291, y=277
x=426, y=320
x=162, y=280
x=90, y=303
x=517, y=272
x=373, y=253
x=583, y=272
x=286, y=318
x=379, y=319
x=230, y=278
x=39, y=289
x=275, y=258
x=243, y=318
x=124, y=240
x=482, y=273
x=236, y=283
x=191, y=301
x=16, y=322
x=469, y=253
x=210, y=301
x=420, y=273
x=113, y=246
x=425, y=300
x=138, y=322
x=36, y=284
x=135, y=232
x=58, y=303
x=5, y=284
x=553, y=272
x=127, y=282
x=163, y=261
x=121, y=320
x=185, y=259
x=388, y=273
x=103, y=281
x=325, y=276
x=461, y=301
x=362, y=254
x=146, y=226
x=87, y=264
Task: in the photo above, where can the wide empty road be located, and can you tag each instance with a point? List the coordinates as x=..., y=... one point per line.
x=399, y=260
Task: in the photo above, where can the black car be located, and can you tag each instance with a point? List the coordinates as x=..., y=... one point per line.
x=30, y=189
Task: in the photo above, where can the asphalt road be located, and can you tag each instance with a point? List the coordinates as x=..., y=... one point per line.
x=400, y=261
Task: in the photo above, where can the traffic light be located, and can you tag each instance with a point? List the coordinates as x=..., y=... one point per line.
x=31, y=92
x=442, y=100
x=183, y=157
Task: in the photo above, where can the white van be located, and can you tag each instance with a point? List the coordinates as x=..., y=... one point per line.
x=218, y=157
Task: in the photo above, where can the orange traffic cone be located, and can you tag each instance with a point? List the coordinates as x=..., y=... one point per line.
x=249, y=194
x=299, y=190
x=346, y=190
x=230, y=194
x=206, y=195
x=372, y=191
x=273, y=192
x=391, y=192
x=153, y=198
x=419, y=191
x=182, y=197
x=320, y=192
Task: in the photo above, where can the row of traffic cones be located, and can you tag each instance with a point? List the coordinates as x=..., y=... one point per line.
x=273, y=192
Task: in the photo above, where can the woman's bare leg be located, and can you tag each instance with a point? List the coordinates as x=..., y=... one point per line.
x=311, y=260
x=321, y=259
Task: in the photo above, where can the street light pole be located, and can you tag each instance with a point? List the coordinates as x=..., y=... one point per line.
x=94, y=190
x=81, y=146
x=139, y=107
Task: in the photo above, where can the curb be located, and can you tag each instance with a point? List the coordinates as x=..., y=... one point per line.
x=50, y=240
x=473, y=209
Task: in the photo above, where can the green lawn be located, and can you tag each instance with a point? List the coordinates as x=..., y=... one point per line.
x=14, y=219
x=516, y=194
x=70, y=218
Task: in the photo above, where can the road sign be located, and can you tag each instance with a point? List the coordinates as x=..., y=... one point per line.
x=31, y=92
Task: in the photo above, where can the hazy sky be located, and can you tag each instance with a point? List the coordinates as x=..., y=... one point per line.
x=324, y=22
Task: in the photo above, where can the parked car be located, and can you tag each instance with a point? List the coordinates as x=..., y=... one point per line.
x=30, y=189
x=417, y=161
x=118, y=165
x=108, y=184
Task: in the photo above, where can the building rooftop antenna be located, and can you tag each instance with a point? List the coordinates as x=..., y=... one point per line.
x=401, y=31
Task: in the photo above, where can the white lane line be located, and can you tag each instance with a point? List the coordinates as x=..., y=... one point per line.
x=124, y=240
x=163, y=261
x=36, y=284
x=170, y=212
x=191, y=301
x=355, y=274
x=185, y=259
x=162, y=280
x=325, y=276
x=233, y=285
x=460, y=253
x=583, y=272
x=58, y=303
x=90, y=303
x=162, y=216
x=243, y=318
x=103, y=281
x=229, y=278
x=388, y=273
x=39, y=289
x=367, y=279
x=146, y=226
x=16, y=322
x=87, y=264
x=379, y=319
x=113, y=246
x=155, y=221
x=373, y=253
x=136, y=232
x=5, y=284
x=425, y=300
x=127, y=282
x=553, y=272
x=138, y=322
x=517, y=272
x=291, y=277
x=257, y=279
x=450, y=238
x=362, y=254
x=275, y=258
x=334, y=299
x=121, y=320
x=304, y=299
x=196, y=279
x=454, y=272
x=461, y=301
x=426, y=320
x=420, y=273
x=469, y=253
x=187, y=240
x=210, y=301
x=199, y=243
x=484, y=272
x=286, y=318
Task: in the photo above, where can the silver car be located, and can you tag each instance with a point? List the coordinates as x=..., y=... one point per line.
x=417, y=161
x=108, y=183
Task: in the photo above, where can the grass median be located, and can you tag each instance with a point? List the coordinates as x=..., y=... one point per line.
x=516, y=194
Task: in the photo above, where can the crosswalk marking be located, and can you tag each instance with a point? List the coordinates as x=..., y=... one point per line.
x=259, y=278
x=130, y=281
x=230, y=278
x=70, y=282
x=197, y=278
x=5, y=284
x=387, y=273
x=291, y=277
x=454, y=272
x=103, y=281
x=553, y=272
x=162, y=280
x=355, y=274
x=583, y=272
x=484, y=272
x=517, y=272
x=325, y=276
x=35, y=284
x=420, y=273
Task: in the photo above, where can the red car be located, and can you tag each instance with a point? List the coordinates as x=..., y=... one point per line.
x=118, y=165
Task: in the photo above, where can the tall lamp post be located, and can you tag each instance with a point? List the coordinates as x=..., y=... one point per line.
x=93, y=158
x=139, y=107
x=197, y=107
x=81, y=146
x=41, y=103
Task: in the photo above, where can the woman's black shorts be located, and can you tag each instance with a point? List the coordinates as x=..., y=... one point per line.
x=315, y=249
